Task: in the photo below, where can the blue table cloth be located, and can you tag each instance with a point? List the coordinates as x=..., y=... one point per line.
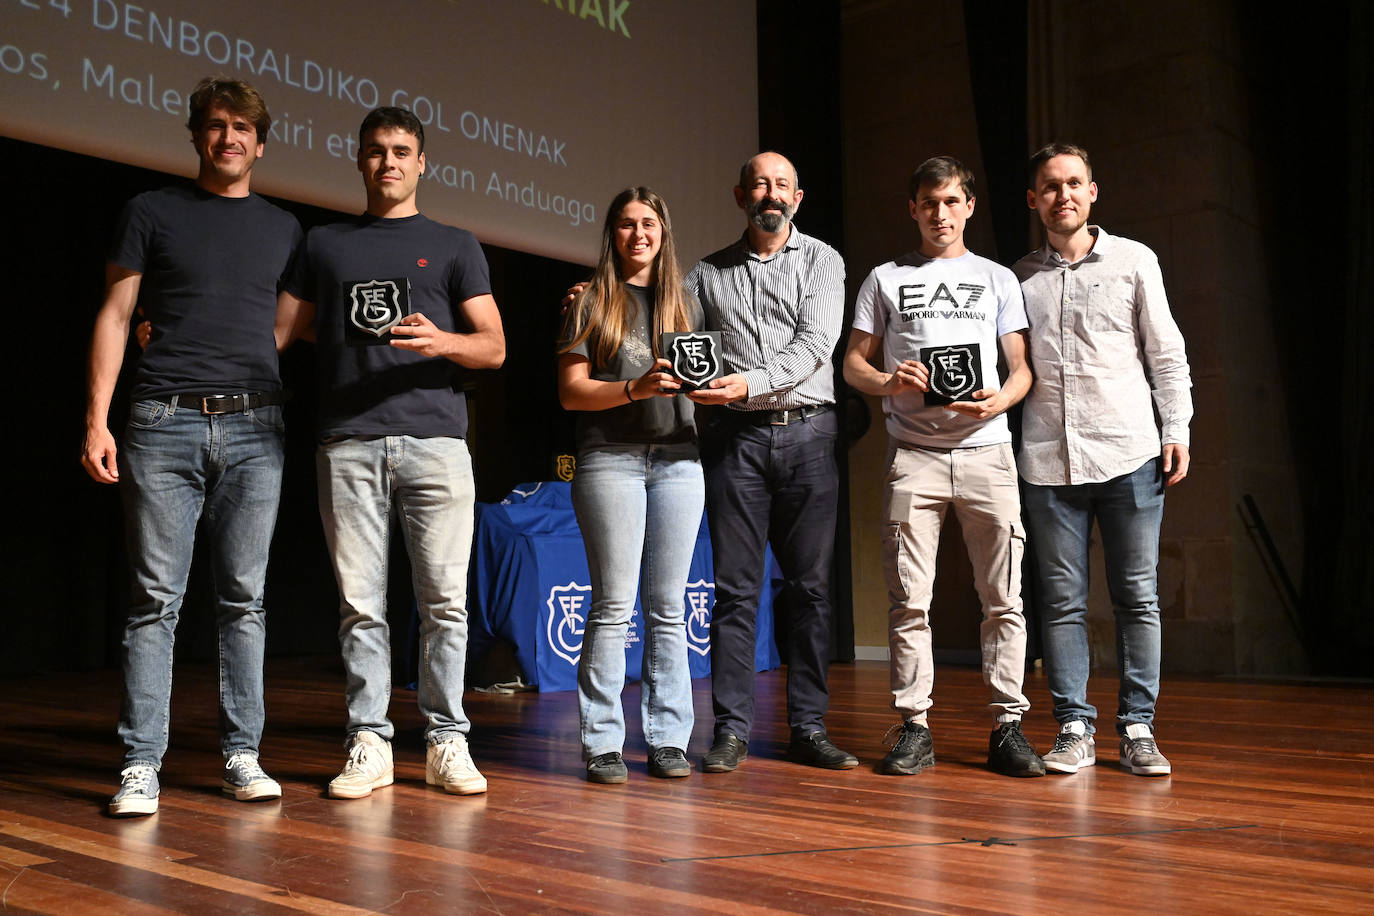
x=529, y=585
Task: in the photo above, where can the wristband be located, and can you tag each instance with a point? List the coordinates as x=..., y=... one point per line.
x=629, y=397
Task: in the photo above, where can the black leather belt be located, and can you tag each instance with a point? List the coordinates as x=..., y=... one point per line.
x=783, y=417
x=214, y=403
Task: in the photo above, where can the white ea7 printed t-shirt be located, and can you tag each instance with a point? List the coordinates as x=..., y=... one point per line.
x=947, y=313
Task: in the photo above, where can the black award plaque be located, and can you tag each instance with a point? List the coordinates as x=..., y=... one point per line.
x=694, y=357
x=374, y=308
x=956, y=371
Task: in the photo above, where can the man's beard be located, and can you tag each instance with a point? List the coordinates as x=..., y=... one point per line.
x=771, y=215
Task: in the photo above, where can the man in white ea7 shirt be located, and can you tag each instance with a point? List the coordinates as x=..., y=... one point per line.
x=939, y=316
x=1105, y=431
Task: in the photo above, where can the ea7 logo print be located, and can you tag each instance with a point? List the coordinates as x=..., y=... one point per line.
x=914, y=296
x=375, y=307
x=568, y=607
x=695, y=356
x=955, y=372
x=701, y=595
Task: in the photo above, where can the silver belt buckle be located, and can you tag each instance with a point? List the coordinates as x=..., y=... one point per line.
x=236, y=402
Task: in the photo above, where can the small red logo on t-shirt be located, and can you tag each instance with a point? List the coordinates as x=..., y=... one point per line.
x=422, y=262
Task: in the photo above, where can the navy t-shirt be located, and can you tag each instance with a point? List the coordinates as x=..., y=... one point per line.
x=364, y=274
x=211, y=269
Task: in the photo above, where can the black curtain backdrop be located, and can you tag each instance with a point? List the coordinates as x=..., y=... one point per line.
x=800, y=116
x=1316, y=134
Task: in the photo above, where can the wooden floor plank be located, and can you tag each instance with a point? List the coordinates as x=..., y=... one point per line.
x=1270, y=808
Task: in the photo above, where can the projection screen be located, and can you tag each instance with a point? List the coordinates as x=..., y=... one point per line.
x=537, y=111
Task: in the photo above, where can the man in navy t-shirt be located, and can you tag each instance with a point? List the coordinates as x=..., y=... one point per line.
x=397, y=304
x=204, y=435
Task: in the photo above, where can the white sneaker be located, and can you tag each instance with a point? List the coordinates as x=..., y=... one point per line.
x=137, y=793
x=1140, y=754
x=449, y=764
x=1073, y=749
x=368, y=767
x=245, y=780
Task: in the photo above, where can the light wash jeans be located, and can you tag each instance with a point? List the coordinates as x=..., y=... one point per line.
x=1128, y=510
x=979, y=483
x=639, y=508
x=178, y=464
x=429, y=481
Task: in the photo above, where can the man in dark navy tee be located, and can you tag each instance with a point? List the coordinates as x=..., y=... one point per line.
x=398, y=303
x=204, y=435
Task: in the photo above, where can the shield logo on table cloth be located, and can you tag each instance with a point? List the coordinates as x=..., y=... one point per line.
x=701, y=595
x=695, y=356
x=568, y=606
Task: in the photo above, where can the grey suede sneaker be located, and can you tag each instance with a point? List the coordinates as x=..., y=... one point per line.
x=1140, y=754
x=1073, y=749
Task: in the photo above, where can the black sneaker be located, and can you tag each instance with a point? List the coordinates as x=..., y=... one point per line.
x=607, y=769
x=1010, y=754
x=913, y=751
x=817, y=750
x=668, y=763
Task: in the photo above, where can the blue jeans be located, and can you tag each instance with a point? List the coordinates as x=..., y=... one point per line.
x=429, y=481
x=1128, y=510
x=639, y=508
x=178, y=464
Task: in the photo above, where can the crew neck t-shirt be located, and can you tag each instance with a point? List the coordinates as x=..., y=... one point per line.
x=211, y=267
x=422, y=266
x=918, y=302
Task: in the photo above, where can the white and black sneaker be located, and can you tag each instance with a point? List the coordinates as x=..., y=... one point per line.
x=1140, y=754
x=1073, y=749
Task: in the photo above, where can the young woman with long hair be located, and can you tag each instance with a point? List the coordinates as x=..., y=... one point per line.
x=638, y=488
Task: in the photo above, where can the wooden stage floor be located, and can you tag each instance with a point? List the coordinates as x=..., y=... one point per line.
x=1270, y=809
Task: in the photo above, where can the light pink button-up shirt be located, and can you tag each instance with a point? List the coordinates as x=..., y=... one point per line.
x=1111, y=376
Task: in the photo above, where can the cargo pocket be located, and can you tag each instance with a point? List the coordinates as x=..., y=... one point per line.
x=896, y=559
x=1017, y=550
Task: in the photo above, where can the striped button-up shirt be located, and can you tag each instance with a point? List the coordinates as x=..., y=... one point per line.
x=1107, y=358
x=779, y=318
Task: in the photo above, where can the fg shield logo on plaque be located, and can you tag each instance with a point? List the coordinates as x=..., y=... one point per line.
x=375, y=307
x=695, y=357
x=568, y=607
x=701, y=596
x=955, y=372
